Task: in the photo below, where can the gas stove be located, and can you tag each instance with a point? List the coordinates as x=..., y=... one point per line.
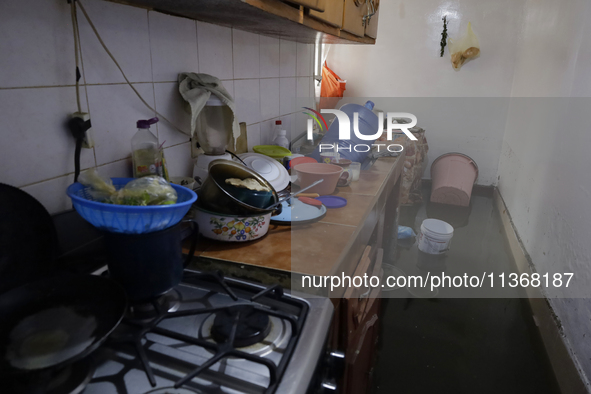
x=214, y=335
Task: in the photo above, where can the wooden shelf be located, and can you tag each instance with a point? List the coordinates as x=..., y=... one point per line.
x=268, y=17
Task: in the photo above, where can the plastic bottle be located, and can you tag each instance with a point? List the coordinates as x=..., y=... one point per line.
x=281, y=139
x=145, y=152
x=368, y=125
x=278, y=127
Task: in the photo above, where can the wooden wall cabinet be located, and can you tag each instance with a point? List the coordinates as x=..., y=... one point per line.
x=303, y=23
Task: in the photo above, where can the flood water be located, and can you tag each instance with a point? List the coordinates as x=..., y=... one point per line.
x=459, y=345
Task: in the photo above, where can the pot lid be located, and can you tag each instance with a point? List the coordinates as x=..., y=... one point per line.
x=268, y=168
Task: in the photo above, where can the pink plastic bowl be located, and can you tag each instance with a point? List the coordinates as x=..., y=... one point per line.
x=309, y=173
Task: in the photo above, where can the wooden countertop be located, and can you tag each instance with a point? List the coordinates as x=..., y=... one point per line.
x=321, y=248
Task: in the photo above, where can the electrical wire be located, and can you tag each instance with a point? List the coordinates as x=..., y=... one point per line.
x=96, y=33
x=76, y=53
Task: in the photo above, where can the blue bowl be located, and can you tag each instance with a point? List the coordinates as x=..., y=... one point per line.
x=129, y=219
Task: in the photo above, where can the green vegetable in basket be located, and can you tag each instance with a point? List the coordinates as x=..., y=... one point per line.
x=148, y=190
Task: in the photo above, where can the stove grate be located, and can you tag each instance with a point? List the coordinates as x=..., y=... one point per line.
x=220, y=350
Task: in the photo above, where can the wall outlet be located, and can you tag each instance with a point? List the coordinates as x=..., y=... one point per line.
x=88, y=142
x=195, y=151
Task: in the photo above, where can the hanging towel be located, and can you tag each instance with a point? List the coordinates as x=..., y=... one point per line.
x=196, y=90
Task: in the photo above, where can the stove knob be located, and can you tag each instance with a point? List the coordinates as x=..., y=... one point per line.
x=336, y=363
x=328, y=387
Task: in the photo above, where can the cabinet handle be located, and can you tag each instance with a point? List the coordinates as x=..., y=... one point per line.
x=372, y=6
x=366, y=328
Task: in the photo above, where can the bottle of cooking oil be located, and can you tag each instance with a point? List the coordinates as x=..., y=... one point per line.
x=145, y=150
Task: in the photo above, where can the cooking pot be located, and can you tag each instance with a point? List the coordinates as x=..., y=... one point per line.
x=232, y=228
x=216, y=196
x=148, y=265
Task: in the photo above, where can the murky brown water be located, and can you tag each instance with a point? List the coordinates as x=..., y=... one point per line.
x=459, y=345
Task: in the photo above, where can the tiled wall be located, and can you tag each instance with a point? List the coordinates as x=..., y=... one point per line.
x=37, y=93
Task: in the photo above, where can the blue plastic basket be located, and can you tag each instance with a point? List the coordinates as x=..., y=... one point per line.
x=129, y=219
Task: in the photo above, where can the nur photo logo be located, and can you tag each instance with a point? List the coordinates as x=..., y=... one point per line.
x=344, y=124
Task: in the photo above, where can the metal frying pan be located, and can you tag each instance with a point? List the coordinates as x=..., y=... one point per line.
x=56, y=321
x=28, y=239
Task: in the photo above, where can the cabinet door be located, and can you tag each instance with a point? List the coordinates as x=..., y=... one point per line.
x=333, y=13
x=353, y=17
x=361, y=314
x=361, y=354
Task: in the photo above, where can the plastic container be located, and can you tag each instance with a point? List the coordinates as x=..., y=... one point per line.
x=309, y=173
x=145, y=152
x=130, y=219
x=435, y=236
x=355, y=171
x=453, y=176
x=368, y=125
x=301, y=160
x=281, y=139
x=288, y=161
x=273, y=151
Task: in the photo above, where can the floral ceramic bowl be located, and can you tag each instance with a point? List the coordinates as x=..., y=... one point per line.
x=232, y=228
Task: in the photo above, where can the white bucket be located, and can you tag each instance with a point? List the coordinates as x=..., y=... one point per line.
x=435, y=236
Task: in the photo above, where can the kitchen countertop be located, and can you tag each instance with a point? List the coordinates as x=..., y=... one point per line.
x=325, y=247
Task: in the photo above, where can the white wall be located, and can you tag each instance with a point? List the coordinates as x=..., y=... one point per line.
x=545, y=161
x=37, y=94
x=405, y=62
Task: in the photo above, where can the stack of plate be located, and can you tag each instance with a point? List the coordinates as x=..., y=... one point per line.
x=268, y=168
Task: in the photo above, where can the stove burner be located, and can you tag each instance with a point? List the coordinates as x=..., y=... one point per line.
x=253, y=326
x=71, y=379
x=169, y=302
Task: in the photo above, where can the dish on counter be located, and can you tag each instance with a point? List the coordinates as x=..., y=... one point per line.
x=333, y=201
x=298, y=213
